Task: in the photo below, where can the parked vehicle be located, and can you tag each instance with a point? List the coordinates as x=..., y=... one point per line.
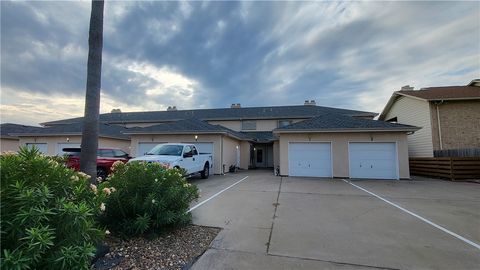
x=180, y=155
x=105, y=159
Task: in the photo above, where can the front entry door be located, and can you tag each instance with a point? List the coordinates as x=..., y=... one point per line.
x=259, y=156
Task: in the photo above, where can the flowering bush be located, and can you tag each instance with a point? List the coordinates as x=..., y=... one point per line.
x=48, y=214
x=145, y=197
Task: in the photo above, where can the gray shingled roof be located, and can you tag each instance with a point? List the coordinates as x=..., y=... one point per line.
x=105, y=130
x=8, y=128
x=219, y=114
x=337, y=122
x=191, y=125
x=261, y=136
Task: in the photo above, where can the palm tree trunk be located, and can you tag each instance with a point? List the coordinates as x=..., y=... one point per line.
x=88, y=155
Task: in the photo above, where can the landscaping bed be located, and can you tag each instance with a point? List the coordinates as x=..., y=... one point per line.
x=175, y=250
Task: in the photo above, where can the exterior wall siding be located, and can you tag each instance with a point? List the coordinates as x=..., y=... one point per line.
x=244, y=154
x=53, y=141
x=459, y=124
x=9, y=145
x=414, y=112
x=230, y=152
x=340, y=142
x=262, y=125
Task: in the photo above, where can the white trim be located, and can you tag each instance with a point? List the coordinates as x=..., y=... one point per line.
x=470, y=242
x=215, y=195
x=331, y=153
x=397, y=165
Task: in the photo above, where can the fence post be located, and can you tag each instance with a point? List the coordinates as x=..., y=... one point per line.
x=452, y=177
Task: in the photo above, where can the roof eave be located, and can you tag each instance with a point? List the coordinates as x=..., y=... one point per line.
x=348, y=130
x=64, y=134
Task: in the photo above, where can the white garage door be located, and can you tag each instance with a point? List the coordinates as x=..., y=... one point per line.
x=310, y=159
x=42, y=147
x=373, y=160
x=60, y=146
x=144, y=147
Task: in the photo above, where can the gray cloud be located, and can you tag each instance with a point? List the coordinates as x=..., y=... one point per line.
x=346, y=54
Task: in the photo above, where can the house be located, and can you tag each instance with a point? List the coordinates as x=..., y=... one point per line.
x=303, y=140
x=8, y=142
x=449, y=117
x=51, y=140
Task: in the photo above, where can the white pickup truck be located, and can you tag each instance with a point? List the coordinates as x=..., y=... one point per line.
x=180, y=155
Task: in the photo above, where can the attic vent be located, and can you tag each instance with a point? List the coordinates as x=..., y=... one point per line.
x=407, y=87
x=171, y=108
x=235, y=105
x=310, y=103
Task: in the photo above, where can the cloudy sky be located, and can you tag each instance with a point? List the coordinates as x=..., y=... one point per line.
x=212, y=54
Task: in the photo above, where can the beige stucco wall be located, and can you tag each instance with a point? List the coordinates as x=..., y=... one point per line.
x=276, y=154
x=244, y=154
x=262, y=125
x=459, y=124
x=52, y=142
x=208, y=138
x=415, y=112
x=230, y=151
x=340, y=148
x=9, y=145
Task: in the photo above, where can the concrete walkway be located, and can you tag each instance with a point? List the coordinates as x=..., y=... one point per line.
x=307, y=223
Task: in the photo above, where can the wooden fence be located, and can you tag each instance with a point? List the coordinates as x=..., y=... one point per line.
x=453, y=168
x=464, y=152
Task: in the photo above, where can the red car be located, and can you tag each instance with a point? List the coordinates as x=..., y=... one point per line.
x=105, y=159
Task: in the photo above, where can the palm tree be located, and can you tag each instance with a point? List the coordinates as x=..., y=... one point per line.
x=88, y=155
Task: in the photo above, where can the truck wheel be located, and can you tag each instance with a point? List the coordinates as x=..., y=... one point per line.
x=102, y=173
x=206, y=171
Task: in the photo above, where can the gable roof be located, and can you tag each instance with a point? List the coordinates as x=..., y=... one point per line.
x=466, y=92
x=9, y=128
x=246, y=113
x=343, y=123
x=186, y=126
x=444, y=93
x=73, y=129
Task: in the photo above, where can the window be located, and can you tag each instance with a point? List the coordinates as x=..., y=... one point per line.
x=188, y=150
x=249, y=125
x=195, y=152
x=119, y=153
x=105, y=153
x=284, y=123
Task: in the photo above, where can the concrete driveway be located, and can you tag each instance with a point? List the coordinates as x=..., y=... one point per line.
x=310, y=223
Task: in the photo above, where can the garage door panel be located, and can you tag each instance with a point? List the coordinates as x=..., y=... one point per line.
x=310, y=159
x=144, y=147
x=373, y=160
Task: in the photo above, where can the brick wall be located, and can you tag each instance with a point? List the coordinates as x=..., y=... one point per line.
x=459, y=123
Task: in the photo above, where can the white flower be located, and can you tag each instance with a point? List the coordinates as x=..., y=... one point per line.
x=102, y=207
x=153, y=201
x=99, y=179
x=84, y=175
x=94, y=188
x=185, y=185
x=156, y=180
x=74, y=178
x=112, y=189
x=107, y=232
x=106, y=191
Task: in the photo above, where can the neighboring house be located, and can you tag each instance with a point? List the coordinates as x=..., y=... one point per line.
x=51, y=140
x=305, y=140
x=449, y=117
x=9, y=142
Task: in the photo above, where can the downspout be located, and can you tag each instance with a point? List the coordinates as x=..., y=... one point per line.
x=438, y=124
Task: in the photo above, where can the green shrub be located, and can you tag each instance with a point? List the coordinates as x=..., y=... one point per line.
x=146, y=197
x=47, y=214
